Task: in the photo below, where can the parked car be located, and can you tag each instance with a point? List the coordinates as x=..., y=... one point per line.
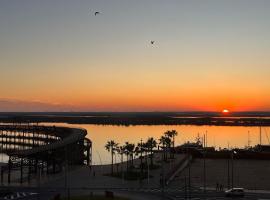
x=235, y=192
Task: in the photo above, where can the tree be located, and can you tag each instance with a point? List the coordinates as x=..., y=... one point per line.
x=165, y=141
x=139, y=150
x=150, y=144
x=121, y=151
x=129, y=149
x=111, y=146
x=171, y=134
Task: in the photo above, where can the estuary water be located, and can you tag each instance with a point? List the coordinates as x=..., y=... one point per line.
x=217, y=136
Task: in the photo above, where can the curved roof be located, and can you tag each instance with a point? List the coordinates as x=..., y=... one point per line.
x=68, y=136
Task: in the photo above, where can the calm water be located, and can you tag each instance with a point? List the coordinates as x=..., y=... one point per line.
x=218, y=136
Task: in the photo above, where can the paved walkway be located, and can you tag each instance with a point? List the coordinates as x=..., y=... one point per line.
x=94, y=177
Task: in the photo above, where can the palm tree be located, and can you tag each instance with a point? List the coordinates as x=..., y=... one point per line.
x=129, y=149
x=140, y=148
x=172, y=134
x=111, y=146
x=150, y=145
x=165, y=141
x=121, y=151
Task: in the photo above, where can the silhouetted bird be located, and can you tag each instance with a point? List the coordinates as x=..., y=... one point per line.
x=152, y=42
x=96, y=13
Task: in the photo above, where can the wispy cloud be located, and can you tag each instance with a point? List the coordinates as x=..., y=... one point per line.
x=15, y=105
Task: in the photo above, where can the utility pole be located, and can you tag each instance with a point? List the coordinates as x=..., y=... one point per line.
x=163, y=171
x=233, y=152
x=148, y=175
x=141, y=162
x=39, y=179
x=228, y=168
x=204, y=173
x=232, y=169
x=185, y=187
x=66, y=172
x=189, y=172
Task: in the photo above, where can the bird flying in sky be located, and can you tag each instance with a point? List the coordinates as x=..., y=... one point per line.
x=96, y=13
x=152, y=41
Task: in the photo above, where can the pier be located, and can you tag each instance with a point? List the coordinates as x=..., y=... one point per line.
x=34, y=149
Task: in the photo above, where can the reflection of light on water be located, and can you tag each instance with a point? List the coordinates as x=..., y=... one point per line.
x=218, y=136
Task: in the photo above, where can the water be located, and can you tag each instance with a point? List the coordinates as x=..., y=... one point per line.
x=218, y=136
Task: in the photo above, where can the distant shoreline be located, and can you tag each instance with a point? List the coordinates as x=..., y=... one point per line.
x=150, y=118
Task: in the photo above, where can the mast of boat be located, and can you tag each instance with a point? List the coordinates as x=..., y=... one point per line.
x=206, y=138
x=260, y=135
x=248, y=142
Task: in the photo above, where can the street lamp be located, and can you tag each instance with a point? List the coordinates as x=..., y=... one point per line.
x=204, y=172
x=228, y=171
x=232, y=154
x=39, y=177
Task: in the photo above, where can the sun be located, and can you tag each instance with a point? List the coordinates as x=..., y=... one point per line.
x=225, y=111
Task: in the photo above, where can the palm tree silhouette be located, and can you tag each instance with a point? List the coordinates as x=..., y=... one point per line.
x=150, y=144
x=121, y=150
x=172, y=134
x=139, y=150
x=165, y=141
x=111, y=146
x=129, y=150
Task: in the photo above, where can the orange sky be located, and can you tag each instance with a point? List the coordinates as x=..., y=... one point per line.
x=207, y=56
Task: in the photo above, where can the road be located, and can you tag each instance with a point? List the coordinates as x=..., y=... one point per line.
x=31, y=193
x=211, y=195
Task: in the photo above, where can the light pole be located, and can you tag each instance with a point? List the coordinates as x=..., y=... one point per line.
x=228, y=170
x=162, y=182
x=204, y=170
x=101, y=165
x=141, y=149
x=189, y=169
x=147, y=171
x=232, y=154
x=204, y=173
x=39, y=179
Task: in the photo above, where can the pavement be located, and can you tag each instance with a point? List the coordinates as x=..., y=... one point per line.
x=81, y=180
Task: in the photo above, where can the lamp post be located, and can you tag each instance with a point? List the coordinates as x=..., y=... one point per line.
x=100, y=161
x=39, y=179
x=228, y=171
x=232, y=154
x=204, y=170
x=141, y=150
x=163, y=171
x=204, y=173
x=66, y=173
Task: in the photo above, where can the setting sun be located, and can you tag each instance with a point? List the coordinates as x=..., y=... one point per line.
x=225, y=111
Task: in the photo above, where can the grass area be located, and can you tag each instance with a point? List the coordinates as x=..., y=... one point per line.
x=130, y=176
x=95, y=197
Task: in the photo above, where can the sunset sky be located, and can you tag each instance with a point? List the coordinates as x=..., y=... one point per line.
x=56, y=55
